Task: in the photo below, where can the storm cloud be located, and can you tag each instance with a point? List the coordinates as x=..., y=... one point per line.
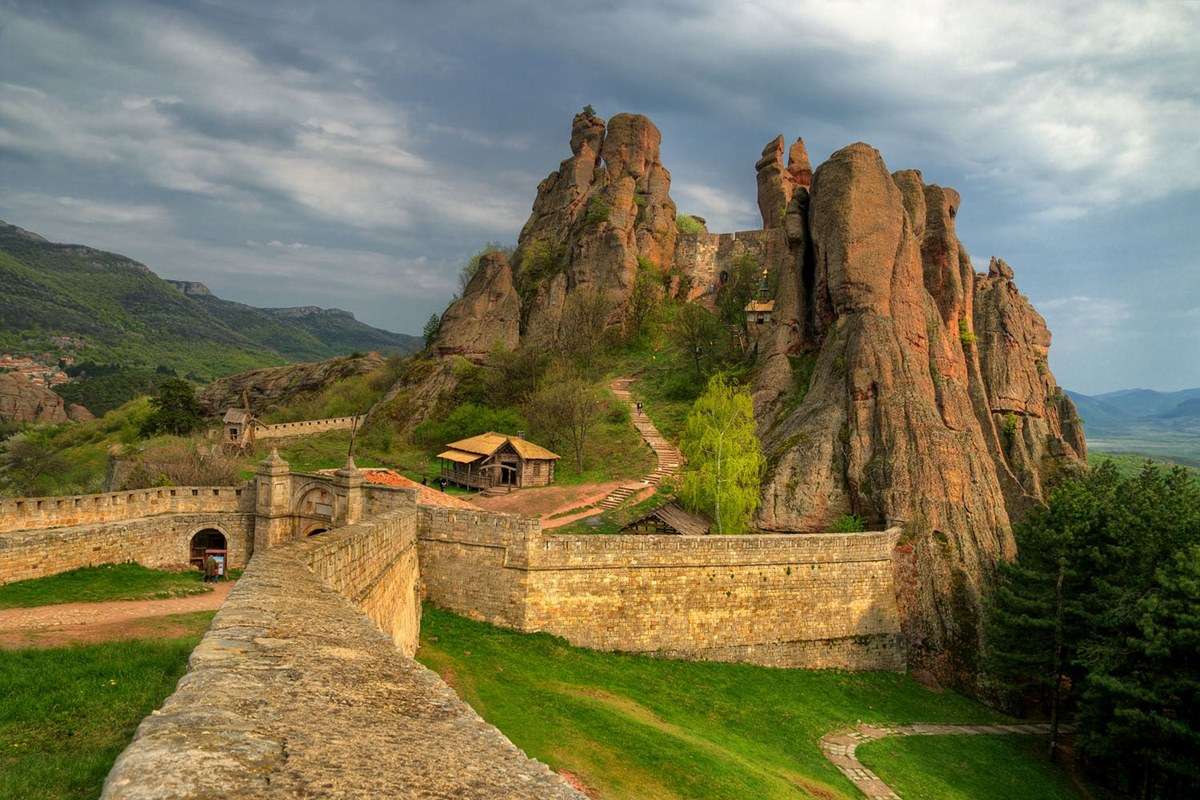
x=354, y=154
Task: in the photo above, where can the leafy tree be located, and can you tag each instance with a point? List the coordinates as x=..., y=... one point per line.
x=433, y=326
x=700, y=335
x=566, y=408
x=176, y=410
x=645, y=298
x=724, y=458
x=582, y=333
x=738, y=290
x=686, y=223
x=589, y=111
x=25, y=460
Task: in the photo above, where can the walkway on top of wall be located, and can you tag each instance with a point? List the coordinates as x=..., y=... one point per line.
x=839, y=747
x=668, y=459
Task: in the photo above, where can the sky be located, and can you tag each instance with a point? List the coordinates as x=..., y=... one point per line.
x=355, y=154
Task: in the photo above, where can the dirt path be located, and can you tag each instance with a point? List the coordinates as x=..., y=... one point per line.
x=839, y=748
x=667, y=458
x=48, y=626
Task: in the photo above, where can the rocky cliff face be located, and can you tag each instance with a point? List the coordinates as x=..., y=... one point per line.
x=274, y=386
x=606, y=207
x=24, y=401
x=900, y=386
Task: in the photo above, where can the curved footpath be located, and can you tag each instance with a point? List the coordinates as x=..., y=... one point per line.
x=839, y=748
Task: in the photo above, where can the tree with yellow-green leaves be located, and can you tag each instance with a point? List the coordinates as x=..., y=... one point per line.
x=724, y=457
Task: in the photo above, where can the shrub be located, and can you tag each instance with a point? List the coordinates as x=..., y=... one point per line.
x=433, y=326
x=598, y=210
x=176, y=409
x=1009, y=426
x=686, y=223
x=466, y=420
x=965, y=334
x=849, y=523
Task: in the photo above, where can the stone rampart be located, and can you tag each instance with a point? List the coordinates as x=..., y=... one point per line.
x=294, y=692
x=307, y=427
x=162, y=541
x=810, y=600
x=29, y=513
x=374, y=565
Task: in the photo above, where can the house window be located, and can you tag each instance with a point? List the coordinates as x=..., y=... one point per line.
x=233, y=433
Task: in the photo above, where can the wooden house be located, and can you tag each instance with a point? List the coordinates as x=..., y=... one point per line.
x=495, y=459
x=239, y=429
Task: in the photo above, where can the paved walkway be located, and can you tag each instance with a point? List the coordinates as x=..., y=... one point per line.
x=839, y=748
x=668, y=459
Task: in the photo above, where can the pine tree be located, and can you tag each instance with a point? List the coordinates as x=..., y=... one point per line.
x=724, y=458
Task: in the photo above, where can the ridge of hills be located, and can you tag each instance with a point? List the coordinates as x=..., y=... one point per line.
x=104, y=307
x=1143, y=421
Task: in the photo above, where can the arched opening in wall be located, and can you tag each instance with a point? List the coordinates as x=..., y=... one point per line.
x=209, y=541
x=316, y=531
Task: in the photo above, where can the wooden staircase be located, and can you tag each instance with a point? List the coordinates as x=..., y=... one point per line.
x=668, y=459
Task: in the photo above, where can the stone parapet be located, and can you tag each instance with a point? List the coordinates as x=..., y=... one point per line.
x=27, y=513
x=294, y=692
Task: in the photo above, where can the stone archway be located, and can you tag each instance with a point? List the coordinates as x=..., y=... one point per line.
x=207, y=538
x=316, y=531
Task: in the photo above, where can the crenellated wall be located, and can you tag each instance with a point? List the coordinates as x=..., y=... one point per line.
x=704, y=256
x=162, y=541
x=307, y=427
x=28, y=513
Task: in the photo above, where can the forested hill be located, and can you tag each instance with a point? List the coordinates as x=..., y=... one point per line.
x=121, y=312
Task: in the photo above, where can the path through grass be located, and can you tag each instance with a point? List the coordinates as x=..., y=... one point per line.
x=68, y=712
x=97, y=584
x=637, y=727
x=967, y=767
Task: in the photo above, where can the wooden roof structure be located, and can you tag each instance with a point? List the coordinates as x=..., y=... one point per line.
x=466, y=451
x=757, y=306
x=673, y=518
x=237, y=416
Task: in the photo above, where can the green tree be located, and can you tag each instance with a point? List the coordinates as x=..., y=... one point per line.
x=645, y=298
x=583, y=330
x=700, y=337
x=176, y=410
x=724, y=458
x=1142, y=706
x=738, y=290
x=566, y=409
x=433, y=326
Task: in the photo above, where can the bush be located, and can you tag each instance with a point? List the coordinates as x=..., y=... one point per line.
x=176, y=410
x=965, y=334
x=686, y=223
x=848, y=523
x=598, y=210
x=467, y=420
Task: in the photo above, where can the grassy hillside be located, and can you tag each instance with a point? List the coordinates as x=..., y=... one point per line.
x=128, y=315
x=636, y=727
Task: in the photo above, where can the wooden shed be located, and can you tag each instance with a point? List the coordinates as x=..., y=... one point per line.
x=495, y=459
x=671, y=519
x=239, y=428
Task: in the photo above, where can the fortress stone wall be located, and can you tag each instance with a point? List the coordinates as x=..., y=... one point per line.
x=308, y=664
x=282, y=430
x=30, y=513
x=704, y=256
x=813, y=600
x=373, y=564
x=161, y=542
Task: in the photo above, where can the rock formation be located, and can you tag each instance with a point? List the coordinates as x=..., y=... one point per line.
x=487, y=315
x=892, y=382
x=606, y=208
x=905, y=389
x=274, y=386
x=21, y=400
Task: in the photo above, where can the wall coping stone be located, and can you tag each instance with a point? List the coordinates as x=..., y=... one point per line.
x=293, y=692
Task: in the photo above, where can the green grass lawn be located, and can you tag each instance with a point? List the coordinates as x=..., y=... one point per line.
x=106, y=582
x=638, y=727
x=968, y=768
x=68, y=712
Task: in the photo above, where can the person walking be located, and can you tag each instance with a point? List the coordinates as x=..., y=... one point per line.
x=210, y=569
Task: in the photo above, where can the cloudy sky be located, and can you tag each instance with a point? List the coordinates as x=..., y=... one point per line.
x=354, y=154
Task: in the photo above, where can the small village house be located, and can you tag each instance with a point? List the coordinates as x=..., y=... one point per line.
x=495, y=459
x=239, y=428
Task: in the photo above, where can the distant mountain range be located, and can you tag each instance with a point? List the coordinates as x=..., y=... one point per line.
x=107, y=308
x=1164, y=424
